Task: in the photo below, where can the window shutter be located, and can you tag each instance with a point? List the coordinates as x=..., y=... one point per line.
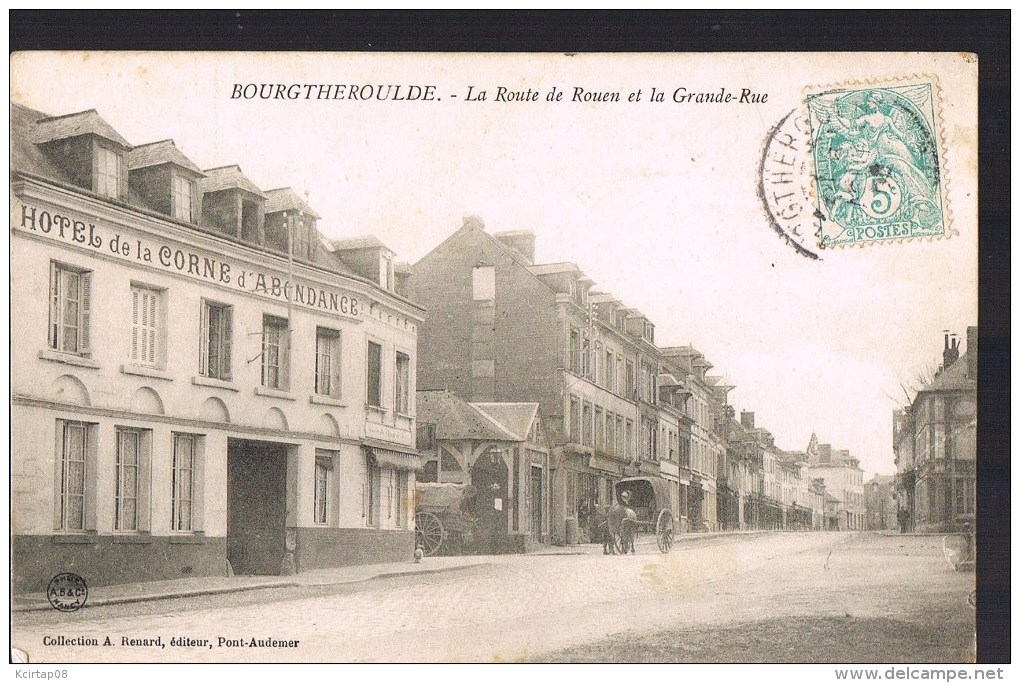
x=135, y=295
x=85, y=336
x=203, y=346
x=226, y=316
x=153, y=326
x=54, y=306
x=337, y=352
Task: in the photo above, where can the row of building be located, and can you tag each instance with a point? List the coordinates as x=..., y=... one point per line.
x=935, y=444
x=203, y=384
x=502, y=328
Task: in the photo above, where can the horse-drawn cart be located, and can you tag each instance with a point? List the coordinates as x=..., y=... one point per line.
x=650, y=499
x=442, y=520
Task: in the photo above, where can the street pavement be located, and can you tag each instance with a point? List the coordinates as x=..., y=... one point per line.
x=512, y=608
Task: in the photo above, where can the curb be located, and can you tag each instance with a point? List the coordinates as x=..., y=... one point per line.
x=189, y=593
x=42, y=606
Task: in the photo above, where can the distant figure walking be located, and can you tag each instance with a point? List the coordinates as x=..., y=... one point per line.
x=621, y=524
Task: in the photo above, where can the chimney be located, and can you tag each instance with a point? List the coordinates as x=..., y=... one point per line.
x=951, y=352
x=747, y=419
x=521, y=241
x=475, y=222
x=972, y=352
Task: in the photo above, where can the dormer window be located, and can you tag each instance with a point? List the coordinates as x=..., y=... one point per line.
x=163, y=179
x=183, y=198
x=109, y=166
x=302, y=237
x=386, y=271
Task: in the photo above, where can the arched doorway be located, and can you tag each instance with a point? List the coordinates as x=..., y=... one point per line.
x=489, y=475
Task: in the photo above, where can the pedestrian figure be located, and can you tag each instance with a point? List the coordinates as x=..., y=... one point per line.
x=620, y=524
x=419, y=552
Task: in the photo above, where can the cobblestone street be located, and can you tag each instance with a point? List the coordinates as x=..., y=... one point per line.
x=526, y=607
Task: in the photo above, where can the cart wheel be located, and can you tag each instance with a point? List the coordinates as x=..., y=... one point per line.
x=428, y=531
x=664, y=531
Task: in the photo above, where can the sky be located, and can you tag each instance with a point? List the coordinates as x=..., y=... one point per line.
x=655, y=201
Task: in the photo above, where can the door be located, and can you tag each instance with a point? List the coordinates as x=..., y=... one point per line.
x=490, y=476
x=256, y=506
x=537, y=503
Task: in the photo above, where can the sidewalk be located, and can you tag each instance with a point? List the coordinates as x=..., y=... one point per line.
x=212, y=585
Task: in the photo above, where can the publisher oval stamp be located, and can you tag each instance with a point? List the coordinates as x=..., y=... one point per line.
x=877, y=161
x=783, y=184
x=67, y=592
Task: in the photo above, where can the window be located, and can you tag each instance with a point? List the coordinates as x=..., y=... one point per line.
x=182, y=199
x=600, y=442
x=75, y=446
x=183, y=482
x=386, y=271
x=575, y=419
x=146, y=326
x=402, y=377
x=129, y=479
x=586, y=425
x=323, y=475
x=70, y=308
x=401, y=511
x=370, y=497
x=610, y=370
x=575, y=350
x=630, y=380
x=214, y=354
x=275, y=353
x=630, y=438
x=108, y=172
x=610, y=433
x=621, y=435
x=327, y=362
x=302, y=238
x=483, y=283
x=374, y=397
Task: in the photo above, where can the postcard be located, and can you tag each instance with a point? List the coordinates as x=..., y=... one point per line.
x=436, y=357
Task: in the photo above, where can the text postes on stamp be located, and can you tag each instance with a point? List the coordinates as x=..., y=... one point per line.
x=878, y=171
x=67, y=592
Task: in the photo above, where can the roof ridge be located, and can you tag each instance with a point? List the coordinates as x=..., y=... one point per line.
x=65, y=116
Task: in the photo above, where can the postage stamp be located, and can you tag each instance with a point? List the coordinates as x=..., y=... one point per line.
x=878, y=168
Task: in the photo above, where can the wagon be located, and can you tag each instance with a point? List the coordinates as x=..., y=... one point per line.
x=650, y=500
x=442, y=520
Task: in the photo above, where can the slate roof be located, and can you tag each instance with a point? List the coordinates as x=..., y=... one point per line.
x=516, y=418
x=457, y=419
x=286, y=199
x=158, y=153
x=550, y=268
x=25, y=156
x=953, y=378
x=358, y=242
x=72, y=125
x=227, y=178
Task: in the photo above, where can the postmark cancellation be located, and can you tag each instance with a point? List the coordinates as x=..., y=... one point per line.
x=877, y=163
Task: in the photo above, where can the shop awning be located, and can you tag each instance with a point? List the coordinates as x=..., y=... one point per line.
x=395, y=456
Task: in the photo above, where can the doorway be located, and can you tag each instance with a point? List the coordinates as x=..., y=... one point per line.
x=537, y=504
x=490, y=476
x=256, y=506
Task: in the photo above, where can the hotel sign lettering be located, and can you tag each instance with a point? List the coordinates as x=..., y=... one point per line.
x=187, y=261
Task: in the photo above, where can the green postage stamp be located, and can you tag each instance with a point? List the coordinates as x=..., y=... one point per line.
x=878, y=167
